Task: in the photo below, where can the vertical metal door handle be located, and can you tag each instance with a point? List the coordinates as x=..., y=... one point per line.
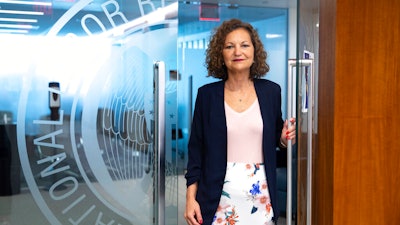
x=159, y=141
x=291, y=104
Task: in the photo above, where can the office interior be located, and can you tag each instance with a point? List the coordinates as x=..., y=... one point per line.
x=97, y=99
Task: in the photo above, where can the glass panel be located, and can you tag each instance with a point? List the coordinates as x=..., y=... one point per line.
x=77, y=116
x=274, y=26
x=307, y=42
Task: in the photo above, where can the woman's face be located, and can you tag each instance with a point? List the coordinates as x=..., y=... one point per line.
x=238, y=51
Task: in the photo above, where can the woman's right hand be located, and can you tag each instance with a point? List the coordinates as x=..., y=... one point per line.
x=193, y=213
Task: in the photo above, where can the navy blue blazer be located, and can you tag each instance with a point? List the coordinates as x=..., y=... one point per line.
x=207, y=148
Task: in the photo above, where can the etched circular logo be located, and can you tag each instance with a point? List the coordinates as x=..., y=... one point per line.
x=89, y=161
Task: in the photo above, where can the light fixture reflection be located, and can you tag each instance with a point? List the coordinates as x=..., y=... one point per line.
x=272, y=36
x=26, y=2
x=18, y=20
x=19, y=12
x=65, y=59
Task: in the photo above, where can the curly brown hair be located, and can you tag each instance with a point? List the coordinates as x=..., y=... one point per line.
x=214, y=60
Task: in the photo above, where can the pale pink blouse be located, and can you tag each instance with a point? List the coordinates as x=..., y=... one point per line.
x=245, y=131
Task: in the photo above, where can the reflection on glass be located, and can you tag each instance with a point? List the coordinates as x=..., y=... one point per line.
x=94, y=161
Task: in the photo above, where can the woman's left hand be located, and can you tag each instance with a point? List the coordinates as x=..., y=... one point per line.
x=289, y=132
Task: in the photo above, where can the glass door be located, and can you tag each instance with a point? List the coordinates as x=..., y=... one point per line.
x=306, y=107
x=80, y=115
x=276, y=25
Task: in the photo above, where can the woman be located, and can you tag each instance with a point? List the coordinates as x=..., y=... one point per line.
x=237, y=126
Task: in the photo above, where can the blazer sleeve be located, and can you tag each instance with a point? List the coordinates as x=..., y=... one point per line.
x=195, y=146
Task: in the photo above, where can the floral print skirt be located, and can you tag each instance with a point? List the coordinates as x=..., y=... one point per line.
x=245, y=197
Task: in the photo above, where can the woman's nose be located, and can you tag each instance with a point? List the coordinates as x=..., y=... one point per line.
x=237, y=51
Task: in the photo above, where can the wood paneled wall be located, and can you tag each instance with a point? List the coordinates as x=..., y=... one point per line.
x=357, y=169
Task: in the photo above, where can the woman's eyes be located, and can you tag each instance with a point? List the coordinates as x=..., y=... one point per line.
x=243, y=46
